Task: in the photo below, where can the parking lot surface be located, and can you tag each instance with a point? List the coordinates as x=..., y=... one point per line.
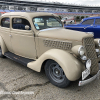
x=15, y=77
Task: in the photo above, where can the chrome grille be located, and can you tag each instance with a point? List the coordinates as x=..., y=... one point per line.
x=89, y=45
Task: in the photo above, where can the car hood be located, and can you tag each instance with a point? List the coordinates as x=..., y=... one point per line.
x=63, y=34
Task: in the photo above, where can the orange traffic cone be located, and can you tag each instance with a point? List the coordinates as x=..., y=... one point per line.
x=75, y=21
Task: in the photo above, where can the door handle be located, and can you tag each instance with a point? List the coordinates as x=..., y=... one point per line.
x=10, y=35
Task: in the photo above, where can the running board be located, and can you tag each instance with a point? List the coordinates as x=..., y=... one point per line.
x=19, y=59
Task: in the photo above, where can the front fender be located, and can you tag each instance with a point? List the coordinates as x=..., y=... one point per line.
x=72, y=67
x=3, y=46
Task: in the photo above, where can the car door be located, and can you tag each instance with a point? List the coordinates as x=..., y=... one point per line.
x=5, y=32
x=23, y=42
x=96, y=28
x=88, y=25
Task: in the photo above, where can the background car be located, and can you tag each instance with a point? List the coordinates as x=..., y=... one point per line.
x=90, y=24
x=67, y=20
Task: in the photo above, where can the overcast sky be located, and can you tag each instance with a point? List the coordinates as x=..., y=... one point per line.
x=82, y=2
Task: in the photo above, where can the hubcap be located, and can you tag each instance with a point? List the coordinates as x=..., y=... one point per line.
x=56, y=73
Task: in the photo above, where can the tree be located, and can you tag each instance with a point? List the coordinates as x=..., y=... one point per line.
x=60, y=17
x=82, y=17
x=77, y=17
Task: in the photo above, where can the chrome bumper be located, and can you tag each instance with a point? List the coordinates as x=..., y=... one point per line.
x=81, y=83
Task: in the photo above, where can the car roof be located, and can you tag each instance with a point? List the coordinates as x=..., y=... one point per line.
x=91, y=17
x=29, y=14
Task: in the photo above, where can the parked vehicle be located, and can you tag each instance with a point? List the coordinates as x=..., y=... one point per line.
x=68, y=20
x=90, y=24
x=39, y=41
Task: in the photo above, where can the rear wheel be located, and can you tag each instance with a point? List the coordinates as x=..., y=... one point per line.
x=1, y=55
x=56, y=74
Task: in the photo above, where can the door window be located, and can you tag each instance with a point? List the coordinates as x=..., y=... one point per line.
x=5, y=22
x=97, y=22
x=20, y=23
x=88, y=22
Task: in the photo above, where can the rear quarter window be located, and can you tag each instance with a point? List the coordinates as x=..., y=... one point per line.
x=5, y=22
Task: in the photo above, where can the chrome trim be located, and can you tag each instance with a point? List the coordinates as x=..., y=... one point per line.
x=99, y=42
x=97, y=50
x=79, y=49
x=98, y=56
x=84, y=58
x=81, y=83
x=50, y=29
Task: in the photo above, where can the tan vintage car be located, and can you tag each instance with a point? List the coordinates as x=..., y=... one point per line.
x=39, y=41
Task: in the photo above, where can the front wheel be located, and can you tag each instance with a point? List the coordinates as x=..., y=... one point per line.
x=56, y=74
x=1, y=55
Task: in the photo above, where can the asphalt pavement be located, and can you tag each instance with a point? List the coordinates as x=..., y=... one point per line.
x=21, y=83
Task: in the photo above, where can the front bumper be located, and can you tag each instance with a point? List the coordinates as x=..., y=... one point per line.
x=84, y=82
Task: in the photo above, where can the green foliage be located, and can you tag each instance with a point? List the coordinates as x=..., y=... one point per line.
x=60, y=17
x=82, y=17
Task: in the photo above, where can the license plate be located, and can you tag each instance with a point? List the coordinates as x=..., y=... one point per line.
x=85, y=73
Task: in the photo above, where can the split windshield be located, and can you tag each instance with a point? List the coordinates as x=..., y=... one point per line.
x=45, y=22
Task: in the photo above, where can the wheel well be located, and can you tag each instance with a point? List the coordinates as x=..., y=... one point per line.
x=43, y=64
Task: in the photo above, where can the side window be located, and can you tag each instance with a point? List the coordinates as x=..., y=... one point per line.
x=5, y=22
x=97, y=22
x=20, y=23
x=88, y=22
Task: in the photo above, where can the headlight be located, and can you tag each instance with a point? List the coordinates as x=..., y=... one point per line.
x=88, y=64
x=81, y=50
x=99, y=42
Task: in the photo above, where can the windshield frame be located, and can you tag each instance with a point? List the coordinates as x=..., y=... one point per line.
x=55, y=17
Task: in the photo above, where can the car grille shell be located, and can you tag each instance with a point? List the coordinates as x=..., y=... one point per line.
x=90, y=52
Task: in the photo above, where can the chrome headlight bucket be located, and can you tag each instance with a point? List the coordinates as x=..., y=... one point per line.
x=78, y=50
x=81, y=51
x=99, y=42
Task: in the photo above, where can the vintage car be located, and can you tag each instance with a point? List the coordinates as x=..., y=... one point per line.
x=90, y=24
x=39, y=41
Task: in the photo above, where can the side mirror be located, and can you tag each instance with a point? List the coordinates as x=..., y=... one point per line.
x=27, y=27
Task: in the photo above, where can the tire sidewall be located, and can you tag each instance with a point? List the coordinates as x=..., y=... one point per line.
x=63, y=84
x=1, y=55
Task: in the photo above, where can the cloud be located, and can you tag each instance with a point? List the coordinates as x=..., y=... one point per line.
x=82, y=2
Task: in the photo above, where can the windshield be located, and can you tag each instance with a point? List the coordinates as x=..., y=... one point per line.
x=44, y=22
